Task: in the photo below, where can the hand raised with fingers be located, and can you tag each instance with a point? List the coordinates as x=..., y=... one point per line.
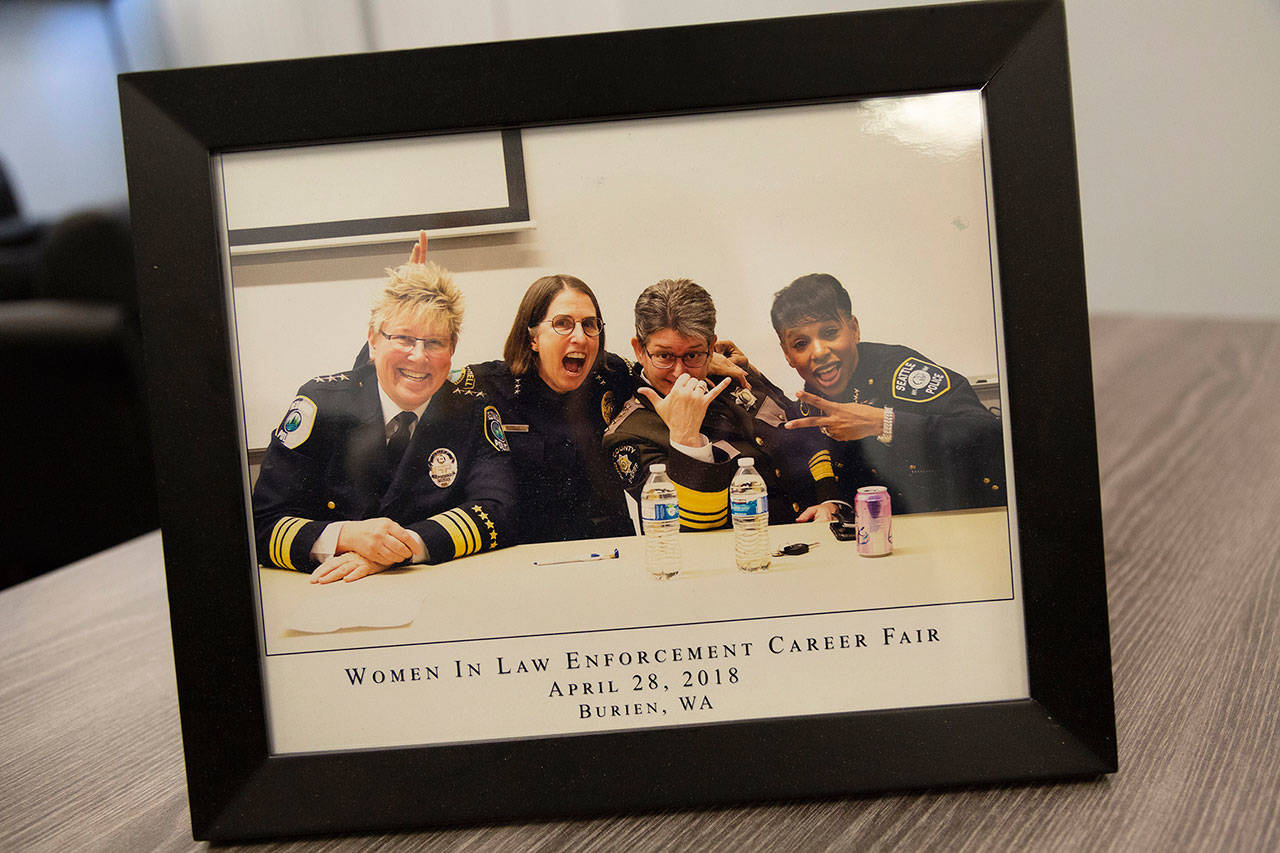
x=685, y=406
x=841, y=421
x=728, y=360
x=418, y=254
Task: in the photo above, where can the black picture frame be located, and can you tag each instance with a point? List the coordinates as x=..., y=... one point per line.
x=1015, y=52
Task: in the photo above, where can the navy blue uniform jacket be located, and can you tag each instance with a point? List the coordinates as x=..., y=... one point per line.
x=567, y=486
x=327, y=461
x=947, y=450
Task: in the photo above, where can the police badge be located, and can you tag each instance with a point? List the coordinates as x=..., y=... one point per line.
x=443, y=467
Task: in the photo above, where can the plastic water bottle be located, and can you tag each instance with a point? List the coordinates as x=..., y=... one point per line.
x=749, y=506
x=660, y=518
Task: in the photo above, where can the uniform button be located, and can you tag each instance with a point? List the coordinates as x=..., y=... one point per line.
x=795, y=507
x=839, y=464
x=332, y=505
x=777, y=472
x=871, y=381
x=759, y=441
x=986, y=479
x=995, y=487
x=874, y=471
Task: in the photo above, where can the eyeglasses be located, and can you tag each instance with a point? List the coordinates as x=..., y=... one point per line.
x=407, y=343
x=563, y=324
x=692, y=360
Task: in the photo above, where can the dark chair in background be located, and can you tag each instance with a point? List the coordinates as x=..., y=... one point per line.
x=74, y=433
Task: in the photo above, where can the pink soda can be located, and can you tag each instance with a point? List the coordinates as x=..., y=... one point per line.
x=873, y=516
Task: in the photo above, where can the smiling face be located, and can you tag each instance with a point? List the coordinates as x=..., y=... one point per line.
x=668, y=343
x=410, y=375
x=824, y=353
x=565, y=360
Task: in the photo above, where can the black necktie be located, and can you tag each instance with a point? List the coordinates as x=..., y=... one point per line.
x=398, y=437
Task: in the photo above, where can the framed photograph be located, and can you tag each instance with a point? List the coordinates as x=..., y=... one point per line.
x=922, y=158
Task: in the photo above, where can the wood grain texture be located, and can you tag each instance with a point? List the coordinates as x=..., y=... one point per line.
x=92, y=753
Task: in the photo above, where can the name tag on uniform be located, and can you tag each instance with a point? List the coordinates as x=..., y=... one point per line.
x=515, y=427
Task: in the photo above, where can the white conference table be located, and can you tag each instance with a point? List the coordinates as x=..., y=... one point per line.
x=945, y=557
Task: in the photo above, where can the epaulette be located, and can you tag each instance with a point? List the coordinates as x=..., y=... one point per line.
x=631, y=405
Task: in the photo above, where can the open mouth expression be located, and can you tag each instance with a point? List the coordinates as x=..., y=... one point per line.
x=565, y=361
x=824, y=353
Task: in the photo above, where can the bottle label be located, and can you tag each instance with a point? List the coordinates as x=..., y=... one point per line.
x=659, y=512
x=750, y=506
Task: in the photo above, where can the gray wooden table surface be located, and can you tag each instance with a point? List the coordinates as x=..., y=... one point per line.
x=90, y=749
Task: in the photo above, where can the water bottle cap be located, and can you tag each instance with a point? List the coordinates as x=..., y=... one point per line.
x=746, y=461
x=658, y=468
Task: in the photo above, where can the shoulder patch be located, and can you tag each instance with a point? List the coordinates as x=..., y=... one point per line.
x=607, y=405
x=297, y=423
x=630, y=406
x=919, y=381
x=463, y=377
x=626, y=463
x=493, y=430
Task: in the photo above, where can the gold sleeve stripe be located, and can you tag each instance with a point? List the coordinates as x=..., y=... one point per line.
x=702, y=510
x=703, y=522
x=704, y=503
x=282, y=536
x=451, y=527
x=704, y=516
x=461, y=529
x=469, y=529
x=820, y=465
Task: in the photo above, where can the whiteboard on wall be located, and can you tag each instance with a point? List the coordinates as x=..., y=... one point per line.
x=374, y=191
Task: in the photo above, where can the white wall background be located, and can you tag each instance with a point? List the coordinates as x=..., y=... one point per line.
x=892, y=202
x=1177, y=110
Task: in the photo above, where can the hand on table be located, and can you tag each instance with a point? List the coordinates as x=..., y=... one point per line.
x=378, y=540
x=345, y=567
x=841, y=421
x=820, y=512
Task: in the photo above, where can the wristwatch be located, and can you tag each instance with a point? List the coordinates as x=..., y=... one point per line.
x=886, y=434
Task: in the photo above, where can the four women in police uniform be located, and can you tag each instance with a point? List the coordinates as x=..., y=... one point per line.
x=402, y=461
